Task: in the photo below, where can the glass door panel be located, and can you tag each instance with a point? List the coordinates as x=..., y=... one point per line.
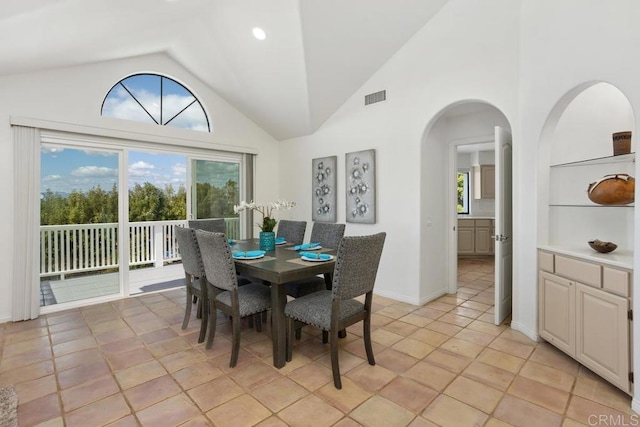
x=215, y=189
x=79, y=200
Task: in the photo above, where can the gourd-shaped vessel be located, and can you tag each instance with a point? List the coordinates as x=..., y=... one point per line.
x=616, y=189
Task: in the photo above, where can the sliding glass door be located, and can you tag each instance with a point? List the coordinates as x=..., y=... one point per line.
x=215, y=188
x=79, y=224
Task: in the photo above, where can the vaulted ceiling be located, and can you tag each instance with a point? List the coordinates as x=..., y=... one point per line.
x=316, y=55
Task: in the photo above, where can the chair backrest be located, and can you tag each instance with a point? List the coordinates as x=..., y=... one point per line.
x=216, y=225
x=292, y=231
x=357, y=265
x=189, y=251
x=327, y=234
x=216, y=258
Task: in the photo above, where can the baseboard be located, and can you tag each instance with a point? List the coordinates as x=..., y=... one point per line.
x=397, y=297
x=635, y=405
x=530, y=333
x=5, y=319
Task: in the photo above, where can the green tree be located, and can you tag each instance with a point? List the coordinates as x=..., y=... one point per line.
x=146, y=203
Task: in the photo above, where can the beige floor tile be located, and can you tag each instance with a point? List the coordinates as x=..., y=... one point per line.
x=585, y=411
x=215, y=392
x=171, y=412
x=83, y=373
x=601, y=391
x=452, y=362
x=413, y=348
x=379, y=411
x=395, y=360
x=455, y=319
x=409, y=394
x=39, y=410
x=35, y=389
x=182, y=359
x=347, y=422
x=371, y=378
x=430, y=337
x=127, y=359
x=462, y=347
x=152, y=392
x=446, y=411
x=522, y=413
x=476, y=337
x=76, y=359
x=279, y=394
x=346, y=360
x=312, y=376
x=487, y=328
x=347, y=398
x=444, y=328
x=310, y=411
x=99, y=413
x=475, y=394
x=197, y=374
x=416, y=320
x=401, y=328
x=254, y=375
x=25, y=359
x=385, y=337
x=430, y=375
x=548, y=375
x=88, y=392
x=500, y=360
x=489, y=375
x=139, y=374
x=542, y=395
x=356, y=347
x=547, y=355
x=514, y=348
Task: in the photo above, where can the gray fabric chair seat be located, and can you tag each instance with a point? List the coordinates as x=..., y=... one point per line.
x=315, y=309
x=252, y=298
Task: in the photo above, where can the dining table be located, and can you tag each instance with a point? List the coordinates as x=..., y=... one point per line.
x=277, y=268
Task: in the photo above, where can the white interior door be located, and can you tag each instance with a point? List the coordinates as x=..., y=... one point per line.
x=503, y=226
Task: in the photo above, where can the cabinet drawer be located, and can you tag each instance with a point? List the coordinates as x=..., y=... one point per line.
x=616, y=281
x=584, y=272
x=484, y=223
x=545, y=261
x=466, y=223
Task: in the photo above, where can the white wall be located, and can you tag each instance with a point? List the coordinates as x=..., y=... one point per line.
x=467, y=52
x=75, y=95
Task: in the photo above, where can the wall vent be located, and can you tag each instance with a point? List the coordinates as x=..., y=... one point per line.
x=375, y=97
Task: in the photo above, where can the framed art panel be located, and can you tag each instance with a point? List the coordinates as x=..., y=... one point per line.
x=324, y=198
x=361, y=186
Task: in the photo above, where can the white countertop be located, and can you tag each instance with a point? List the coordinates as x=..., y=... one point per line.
x=618, y=258
x=475, y=217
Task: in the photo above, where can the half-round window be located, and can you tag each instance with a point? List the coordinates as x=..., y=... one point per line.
x=152, y=98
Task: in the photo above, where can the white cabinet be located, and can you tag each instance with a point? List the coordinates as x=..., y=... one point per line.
x=583, y=309
x=474, y=237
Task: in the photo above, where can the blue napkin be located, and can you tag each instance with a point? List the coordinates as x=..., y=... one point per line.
x=315, y=255
x=248, y=254
x=230, y=241
x=306, y=246
x=281, y=240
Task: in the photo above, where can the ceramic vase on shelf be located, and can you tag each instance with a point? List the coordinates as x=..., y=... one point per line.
x=267, y=240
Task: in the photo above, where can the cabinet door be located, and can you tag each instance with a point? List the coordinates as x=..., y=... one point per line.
x=488, y=181
x=602, y=327
x=556, y=311
x=466, y=241
x=483, y=241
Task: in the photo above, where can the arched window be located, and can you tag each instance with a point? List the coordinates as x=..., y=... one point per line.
x=152, y=98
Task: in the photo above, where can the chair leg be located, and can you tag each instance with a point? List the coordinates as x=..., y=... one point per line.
x=199, y=309
x=258, y=321
x=235, y=349
x=366, y=326
x=325, y=337
x=290, y=332
x=298, y=334
x=335, y=367
x=211, y=329
x=195, y=299
x=187, y=311
x=204, y=309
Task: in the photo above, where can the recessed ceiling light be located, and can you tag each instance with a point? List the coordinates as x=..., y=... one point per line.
x=259, y=33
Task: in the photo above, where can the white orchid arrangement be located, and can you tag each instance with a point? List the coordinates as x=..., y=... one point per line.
x=268, y=221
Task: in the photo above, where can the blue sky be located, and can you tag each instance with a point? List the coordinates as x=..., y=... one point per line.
x=66, y=169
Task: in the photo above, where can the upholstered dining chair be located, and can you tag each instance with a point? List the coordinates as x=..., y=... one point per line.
x=354, y=275
x=292, y=231
x=329, y=236
x=224, y=293
x=194, y=277
x=216, y=225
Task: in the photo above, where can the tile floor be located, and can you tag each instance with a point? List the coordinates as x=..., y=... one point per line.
x=128, y=363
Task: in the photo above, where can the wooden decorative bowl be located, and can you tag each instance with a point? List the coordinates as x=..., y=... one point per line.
x=602, y=247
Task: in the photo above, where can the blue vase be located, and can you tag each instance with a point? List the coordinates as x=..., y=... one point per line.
x=267, y=240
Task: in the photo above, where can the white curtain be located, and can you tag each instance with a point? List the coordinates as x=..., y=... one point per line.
x=26, y=223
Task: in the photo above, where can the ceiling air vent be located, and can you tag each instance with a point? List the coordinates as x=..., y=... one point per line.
x=375, y=97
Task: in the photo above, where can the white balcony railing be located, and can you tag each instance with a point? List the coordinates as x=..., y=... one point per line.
x=80, y=248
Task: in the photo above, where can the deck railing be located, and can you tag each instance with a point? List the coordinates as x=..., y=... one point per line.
x=66, y=249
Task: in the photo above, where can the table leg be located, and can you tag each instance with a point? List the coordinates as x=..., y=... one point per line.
x=278, y=325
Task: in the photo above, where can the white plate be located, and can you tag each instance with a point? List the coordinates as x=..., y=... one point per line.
x=311, y=249
x=316, y=259
x=242, y=258
x=281, y=242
